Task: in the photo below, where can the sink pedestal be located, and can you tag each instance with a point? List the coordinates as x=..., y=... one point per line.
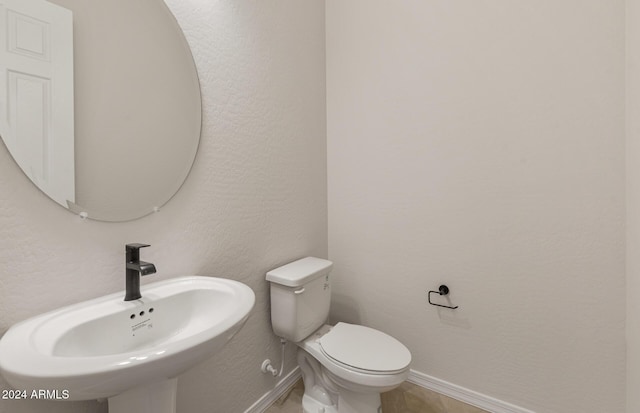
x=157, y=397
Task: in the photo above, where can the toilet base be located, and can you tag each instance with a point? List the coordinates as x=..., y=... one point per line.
x=352, y=402
x=348, y=402
x=322, y=395
x=311, y=405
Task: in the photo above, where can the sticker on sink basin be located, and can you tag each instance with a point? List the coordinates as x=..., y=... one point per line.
x=146, y=324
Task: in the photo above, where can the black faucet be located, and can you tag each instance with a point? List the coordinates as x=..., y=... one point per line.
x=135, y=268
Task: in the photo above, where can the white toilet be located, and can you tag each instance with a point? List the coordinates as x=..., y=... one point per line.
x=344, y=367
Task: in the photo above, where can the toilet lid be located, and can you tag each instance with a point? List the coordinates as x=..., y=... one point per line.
x=365, y=348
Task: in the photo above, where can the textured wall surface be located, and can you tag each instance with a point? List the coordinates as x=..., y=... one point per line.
x=481, y=144
x=255, y=199
x=633, y=205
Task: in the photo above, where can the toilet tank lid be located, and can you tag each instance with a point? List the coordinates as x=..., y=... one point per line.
x=298, y=273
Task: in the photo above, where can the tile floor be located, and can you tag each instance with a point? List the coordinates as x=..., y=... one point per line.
x=408, y=398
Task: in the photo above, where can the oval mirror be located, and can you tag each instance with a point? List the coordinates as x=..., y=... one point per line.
x=99, y=102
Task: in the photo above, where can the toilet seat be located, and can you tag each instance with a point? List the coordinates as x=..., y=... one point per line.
x=365, y=349
x=344, y=375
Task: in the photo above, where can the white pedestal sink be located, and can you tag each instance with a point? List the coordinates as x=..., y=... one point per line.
x=126, y=351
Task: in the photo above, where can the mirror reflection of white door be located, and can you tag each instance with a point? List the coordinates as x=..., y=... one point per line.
x=36, y=93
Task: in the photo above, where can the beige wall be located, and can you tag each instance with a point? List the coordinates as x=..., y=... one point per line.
x=481, y=144
x=255, y=199
x=633, y=206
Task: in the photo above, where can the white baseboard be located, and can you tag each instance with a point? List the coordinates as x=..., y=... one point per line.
x=271, y=396
x=454, y=391
x=464, y=395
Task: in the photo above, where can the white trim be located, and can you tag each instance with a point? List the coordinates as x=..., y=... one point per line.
x=454, y=391
x=464, y=395
x=271, y=396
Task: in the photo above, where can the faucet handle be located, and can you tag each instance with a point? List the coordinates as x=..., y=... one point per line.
x=133, y=251
x=135, y=246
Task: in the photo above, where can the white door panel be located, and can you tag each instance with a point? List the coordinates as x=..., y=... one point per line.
x=36, y=93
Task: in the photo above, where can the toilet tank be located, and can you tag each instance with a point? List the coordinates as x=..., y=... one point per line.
x=300, y=297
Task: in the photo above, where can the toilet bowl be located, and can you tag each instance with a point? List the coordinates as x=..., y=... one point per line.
x=344, y=367
x=350, y=365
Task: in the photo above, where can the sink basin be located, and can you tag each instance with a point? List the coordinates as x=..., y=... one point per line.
x=126, y=350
